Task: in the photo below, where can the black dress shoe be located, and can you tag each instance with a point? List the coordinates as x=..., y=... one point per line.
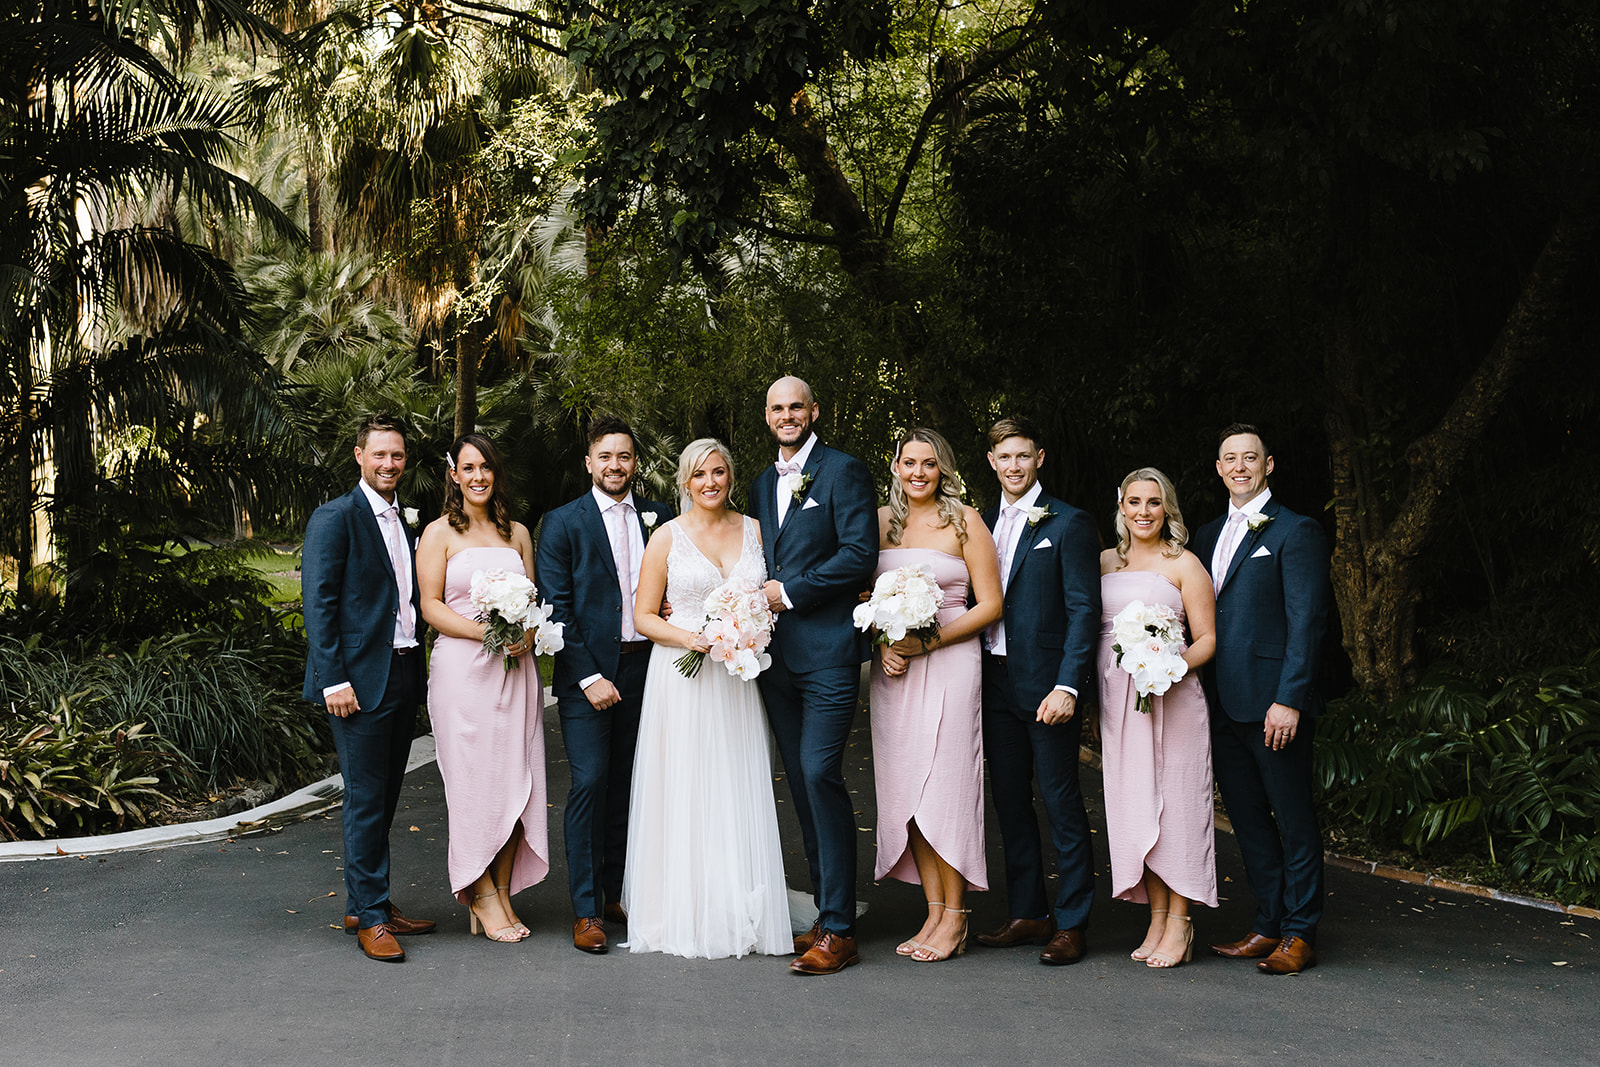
x=1019, y=932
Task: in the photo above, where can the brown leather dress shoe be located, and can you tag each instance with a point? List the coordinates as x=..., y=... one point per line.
x=589, y=935
x=379, y=944
x=1068, y=946
x=614, y=914
x=831, y=954
x=1254, y=947
x=1291, y=957
x=1019, y=932
x=803, y=942
x=398, y=924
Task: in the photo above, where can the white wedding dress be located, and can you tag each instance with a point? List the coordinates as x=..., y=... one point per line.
x=704, y=875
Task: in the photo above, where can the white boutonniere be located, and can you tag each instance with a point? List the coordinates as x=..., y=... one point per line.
x=1257, y=521
x=1037, y=513
x=410, y=515
x=649, y=519
x=796, y=484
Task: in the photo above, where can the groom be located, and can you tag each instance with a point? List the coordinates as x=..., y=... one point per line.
x=361, y=610
x=1036, y=660
x=819, y=531
x=1270, y=570
x=587, y=567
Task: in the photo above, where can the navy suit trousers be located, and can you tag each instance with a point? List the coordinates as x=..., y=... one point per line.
x=373, y=746
x=811, y=713
x=600, y=746
x=1268, y=797
x=1017, y=747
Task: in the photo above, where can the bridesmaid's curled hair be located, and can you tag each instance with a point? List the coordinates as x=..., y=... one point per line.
x=947, y=496
x=1173, y=531
x=499, y=496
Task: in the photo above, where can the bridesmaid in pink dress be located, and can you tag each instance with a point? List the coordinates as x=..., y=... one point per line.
x=927, y=734
x=1158, y=765
x=488, y=722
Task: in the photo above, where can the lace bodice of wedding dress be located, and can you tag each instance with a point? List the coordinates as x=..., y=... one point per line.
x=691, y=577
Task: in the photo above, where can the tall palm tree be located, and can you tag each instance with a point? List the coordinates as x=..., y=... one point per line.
x=107, y=320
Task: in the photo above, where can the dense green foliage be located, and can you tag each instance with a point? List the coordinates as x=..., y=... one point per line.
x=58, y=779
x=1512, y=776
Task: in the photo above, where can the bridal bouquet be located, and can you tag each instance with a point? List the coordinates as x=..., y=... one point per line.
x=903, y=601
x=738, y=626
x=1147, y=639
x=508, y=604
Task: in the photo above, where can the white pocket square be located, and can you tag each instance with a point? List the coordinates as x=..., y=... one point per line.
x=1042, y=544
x=810, y=503
x=1258, y=553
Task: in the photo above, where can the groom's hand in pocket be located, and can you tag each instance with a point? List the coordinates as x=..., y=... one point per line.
x=601, y=693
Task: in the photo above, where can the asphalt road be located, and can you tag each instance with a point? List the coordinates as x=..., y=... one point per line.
x=230, y=954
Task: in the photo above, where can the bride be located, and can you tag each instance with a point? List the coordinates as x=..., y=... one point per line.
x=704, y=873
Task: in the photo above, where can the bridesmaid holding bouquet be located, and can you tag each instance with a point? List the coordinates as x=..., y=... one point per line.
x=488, y=721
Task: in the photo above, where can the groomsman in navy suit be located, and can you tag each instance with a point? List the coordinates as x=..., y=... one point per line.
x=1270, y=569
x=587, y=568
x=364, y=662
x=819, y=530
x=1037, y=660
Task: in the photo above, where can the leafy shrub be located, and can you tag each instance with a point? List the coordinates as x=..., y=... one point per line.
x=227, y=701
x=1516, y=772
x=57, y=777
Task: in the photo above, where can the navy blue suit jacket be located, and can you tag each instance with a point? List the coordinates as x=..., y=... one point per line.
x=1272, y=614
x=1052, y=604
x=349, y=600
x=824, y=555
x=577, y=574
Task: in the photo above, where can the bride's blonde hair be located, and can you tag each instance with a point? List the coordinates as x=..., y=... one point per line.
x=691, y=457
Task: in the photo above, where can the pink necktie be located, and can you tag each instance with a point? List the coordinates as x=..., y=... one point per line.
x=621, y=548
x=1226, y=547
x=394, y=541
x=1008, y=523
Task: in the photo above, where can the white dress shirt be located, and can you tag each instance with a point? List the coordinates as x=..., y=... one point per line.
x=1007, y=553
x=389, y=530
x=1222, y=555
x=799, y=460
x=608, y=506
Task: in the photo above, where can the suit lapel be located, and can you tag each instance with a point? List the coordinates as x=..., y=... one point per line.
x=813, y=462
x=1248, y=543
x=367, y=522
x=594, y=525
x=1030, y=534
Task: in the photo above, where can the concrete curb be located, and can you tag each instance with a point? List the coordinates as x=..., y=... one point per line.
x=1433, y=881
x=301, y=804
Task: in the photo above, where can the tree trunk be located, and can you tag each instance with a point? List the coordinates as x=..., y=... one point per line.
x=865, y=253
x=1376, y=581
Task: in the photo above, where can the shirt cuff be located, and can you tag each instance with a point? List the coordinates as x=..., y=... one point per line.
x=587, y=682
x=332, y=689
x=784, y=593
x=1066, y=689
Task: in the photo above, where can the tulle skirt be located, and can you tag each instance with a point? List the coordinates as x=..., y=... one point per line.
x=704, y=875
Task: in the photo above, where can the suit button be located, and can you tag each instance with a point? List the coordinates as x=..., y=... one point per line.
x=779, y=568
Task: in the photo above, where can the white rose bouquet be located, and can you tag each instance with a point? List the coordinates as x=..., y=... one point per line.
x=738, y=626
x=1147, y=639
x=903, y=601
x=508, y=604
